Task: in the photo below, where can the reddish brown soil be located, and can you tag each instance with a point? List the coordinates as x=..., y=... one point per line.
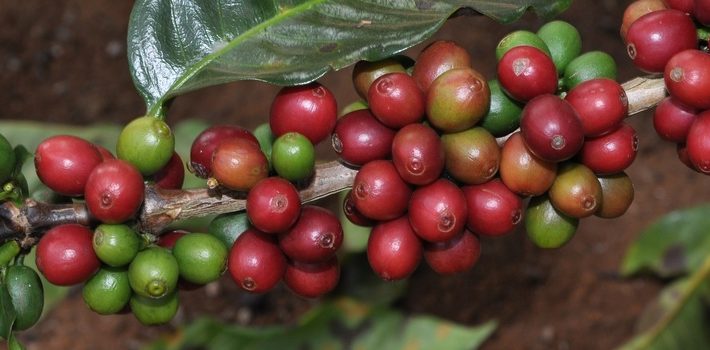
x=64, y=61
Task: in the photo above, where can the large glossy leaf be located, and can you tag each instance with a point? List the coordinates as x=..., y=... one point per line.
x=175, y=46
x=674, y=245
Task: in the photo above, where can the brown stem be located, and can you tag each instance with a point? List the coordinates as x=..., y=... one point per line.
x=163, y=207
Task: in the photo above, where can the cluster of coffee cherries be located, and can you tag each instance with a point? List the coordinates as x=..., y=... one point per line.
x=670, y=37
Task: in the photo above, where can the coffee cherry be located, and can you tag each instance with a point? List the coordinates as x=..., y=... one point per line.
x=456, y=255
x=315, y=237
x=354, y=215
x=206, y=142
x=417, y=153
x=520, y=38
x=379, y=192
x=546, y=226
x=227, y=227
x=239, y=164
x=472, y=156
x=672, y=120
x=266, y=140
x=610, y=153
x=522, y=171
x=601, y=105
x=172, y=175
x=105, y=154
x=682, y=152
x=7, y=160
x=167, y=240
x=65, y=256
x=63, y=163
x=154, y=311
x=437, y=58
x=293, y=157
x=273, y=205
x=587, y=66
x=493, y=209
x=655, y=37
x=153, y=273
x=359, y=138
x=201, y=257
x=147, y=143
x=115, y=245
x=437, y=212
x=108, y=291
x=503, y=115
x=617, y=195
x=365, y=72
x=457, y=100
x=687, y=78
x=638, y=8
x=312, y=280
x=551, y=128
x=564, y=42
x=26, y=294
x=310, y=110
x=256, y=262
x=525, y=72
x=395, y=100
x=114, y=191
x=698, y=142
x=393, y=249
x=576, y=191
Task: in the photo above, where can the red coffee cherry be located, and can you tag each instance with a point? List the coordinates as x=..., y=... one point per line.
x=437, y=212
x=682, y=152
x=655, y=37
x=168, y=239
x=354, y=215
x=393, y=249
x=239, y=164
x=457, y=100
x=525, y=72
x=379, y=192
x=316, y=236
x=551, y=128
x=65, y=255
x=312, y=280
x=310, y=110
x=523, y=172
x=114, y=191
x=273, y=205
x=105, y=154
x=611, y=153
x=701, y=11
x=255, y=261
x=207, y=141
x=396, y=100
x=687, y=78
x=437, y=58
x=601, y=105
x=418, y=154
x=682, y=5
x=64, y=162
x=636, y=9
x=172, y=175
x=456, y=255
x=359, y=138
x=493, y=209
x=672, y=120
x=698, y=142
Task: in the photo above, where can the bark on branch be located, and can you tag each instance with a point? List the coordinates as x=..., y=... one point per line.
x=163, y=207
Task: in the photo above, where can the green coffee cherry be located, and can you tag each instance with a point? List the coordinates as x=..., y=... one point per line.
x=546, y=226
x=564, y=42
x=147, y=143
x=520, y=38
x=108, y=291
x=115, y=245
x=588, y=66
x=150, y=311
x=293, y=157
x=27, y=295
x=153, y=273
x=503, y=116
x=201, y=257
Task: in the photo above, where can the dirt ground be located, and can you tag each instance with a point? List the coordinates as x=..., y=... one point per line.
x=65, y=61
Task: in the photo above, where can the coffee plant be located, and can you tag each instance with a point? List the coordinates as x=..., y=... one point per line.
x=434, y=156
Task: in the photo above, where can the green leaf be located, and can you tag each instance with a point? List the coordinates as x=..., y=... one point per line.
x=14, y=344
x=678, y=318
x=179, y=46
x=674, y=245
x=340, y=324
x=7, y=313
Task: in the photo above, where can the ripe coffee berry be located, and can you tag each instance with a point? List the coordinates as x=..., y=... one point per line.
x=365, y=72
x=354, y=215
x=65, y=255
x=687, y=78
x=437, y=212
x=493, y=209
x=655, y=37
x=437, y=58
x=396, y=100
x=312, y=280
x=114, y=191
x=698, y=142
x=456, y=255
x=359, y=138
x=310, y=110
x=610, y=153
x=379, y=192
x=525, y=72
x=672, y=120
x=551, y=128
x=255, y=261
x=172, y=175
x=273, y=205
x=418, y=154
x=239, y=164
x=64, y=163
x=635, y=10
x=393, y=249
x=601, y=105
x=207, y=141
x=315, y=237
